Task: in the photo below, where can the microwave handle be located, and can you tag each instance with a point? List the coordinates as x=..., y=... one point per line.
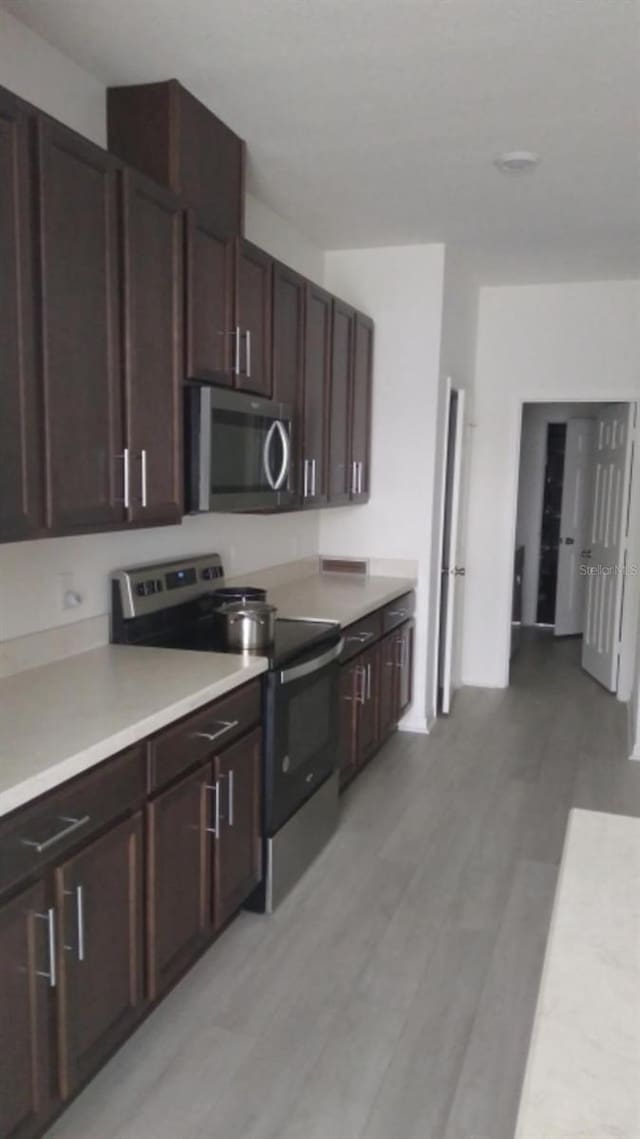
x=266, y=454
x=286, y=453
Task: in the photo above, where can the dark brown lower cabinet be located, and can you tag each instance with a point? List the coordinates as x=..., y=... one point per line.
x=26, y=1051
x=405, y=681
x=237, y=849
x=100, y=921
x=178, y=882
x=388, y=702
x=350, y=687
x=368, y=705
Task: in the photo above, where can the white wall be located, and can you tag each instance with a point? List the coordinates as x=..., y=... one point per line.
x=535, y=342
x=536, y=418
x=401, y=288
x=30, y=589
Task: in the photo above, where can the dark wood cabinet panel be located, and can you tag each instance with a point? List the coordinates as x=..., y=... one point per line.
x=80, y=332
x=26, y=1052
x=20, y=441
x=368, y=704
x=179, y=878
x=317, y=363
x=167, y=133
x=237, y=845
x=154, y=363
x=350, y=688
x=209, y=303
x=288, y=354
x=99, y=902
x=405, y=684
x=252, y=337
x=340, y=478
x=361, y=407
x=389, y=686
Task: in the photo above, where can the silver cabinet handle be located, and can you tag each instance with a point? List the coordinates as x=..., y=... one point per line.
x=369, y=681
x=248, y=338
x=354, y=478
x=215, y=829
x=362, y=694
x=398, y=613
x=143, y=477
x=51, y=975
x=78, y=893
x=361, y=638
x=314, y=487
x=236, y=359
x=306, y=478
x=126, y=472
x=231, y=796
x=73, y=825
x=360, y=477
x=227, y=725
x=401, y=654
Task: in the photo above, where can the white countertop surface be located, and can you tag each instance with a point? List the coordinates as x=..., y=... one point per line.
x=337, y=597
x=583, y=1072
x=61, y=719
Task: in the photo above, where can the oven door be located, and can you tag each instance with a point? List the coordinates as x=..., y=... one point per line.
x=303, y=733
x=238, y=451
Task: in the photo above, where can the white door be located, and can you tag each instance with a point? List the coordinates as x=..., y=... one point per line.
x=574, y=527
x=450, y=570
x=604, y=560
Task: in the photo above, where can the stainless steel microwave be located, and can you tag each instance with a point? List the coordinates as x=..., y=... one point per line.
x=238, y=451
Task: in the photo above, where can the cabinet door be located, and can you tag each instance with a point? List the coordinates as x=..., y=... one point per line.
x=20, y=447
x=340, y=475
x=368, y=704
x=389, y=685
x=99, y=900
x=252, y=341
x=237, y=846
x=154, y=365
x=405, y=693
x=209, y=300
x=361, y=406
x=178, y=878
x=317, y=361
x=25, y=1023
x=288, y=350
x=80, y=332
x=351, y=678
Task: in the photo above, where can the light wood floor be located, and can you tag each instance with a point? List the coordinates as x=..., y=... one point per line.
x=392, y=995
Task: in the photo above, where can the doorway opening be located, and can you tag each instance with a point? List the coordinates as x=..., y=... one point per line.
x=572, y=530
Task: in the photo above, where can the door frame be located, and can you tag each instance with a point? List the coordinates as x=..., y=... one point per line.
x=632, y=593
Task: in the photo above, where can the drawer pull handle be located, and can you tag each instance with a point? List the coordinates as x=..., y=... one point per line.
x=72, y=825
x=227, y=725
x=397, y=612
x=360, y=638
x=231, y=793
x=215, y=829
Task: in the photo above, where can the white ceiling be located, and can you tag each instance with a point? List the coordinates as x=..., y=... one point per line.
x=373, y=122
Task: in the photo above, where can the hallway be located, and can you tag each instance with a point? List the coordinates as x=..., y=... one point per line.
x=392, y=995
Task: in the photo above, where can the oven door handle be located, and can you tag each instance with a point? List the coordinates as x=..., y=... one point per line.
x=288, y=675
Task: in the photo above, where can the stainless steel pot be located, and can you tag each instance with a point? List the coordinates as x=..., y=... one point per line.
x=250, y=626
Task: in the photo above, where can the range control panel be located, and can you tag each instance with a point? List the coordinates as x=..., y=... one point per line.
x=145, y=589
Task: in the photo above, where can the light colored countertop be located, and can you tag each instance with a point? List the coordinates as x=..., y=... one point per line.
x=337, y=597
x=61, y=719
x=583, y=1072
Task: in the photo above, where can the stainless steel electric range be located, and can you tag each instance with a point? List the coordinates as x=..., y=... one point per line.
x=175, y=605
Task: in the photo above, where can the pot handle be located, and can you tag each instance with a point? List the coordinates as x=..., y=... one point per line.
x=233, y=618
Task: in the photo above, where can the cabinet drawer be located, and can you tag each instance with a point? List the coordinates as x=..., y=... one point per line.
x=398, y=611
x=203, y=733
x=38, y=834
x=361, y=634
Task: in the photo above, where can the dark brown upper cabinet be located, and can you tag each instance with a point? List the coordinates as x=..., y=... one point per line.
x=162, y=130
x=152, y=228
x=252, y=322
x=209, y=303
x=315, y=399
x=26, y=1037
x=361, y=408
x=20, y=441
x=100, y=912
x=341, y=482
x=81, y=355
x=288, y=354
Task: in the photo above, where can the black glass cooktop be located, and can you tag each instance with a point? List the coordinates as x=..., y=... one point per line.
x=293, y=638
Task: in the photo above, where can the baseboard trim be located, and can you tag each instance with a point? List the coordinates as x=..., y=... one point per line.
x=417, y=724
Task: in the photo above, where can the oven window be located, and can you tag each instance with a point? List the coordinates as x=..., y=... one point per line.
x=309, y=721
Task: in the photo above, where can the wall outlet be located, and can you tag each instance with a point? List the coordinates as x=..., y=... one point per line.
x=68, y=594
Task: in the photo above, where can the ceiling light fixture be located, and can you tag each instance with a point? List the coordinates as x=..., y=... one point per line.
x=516, y=161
